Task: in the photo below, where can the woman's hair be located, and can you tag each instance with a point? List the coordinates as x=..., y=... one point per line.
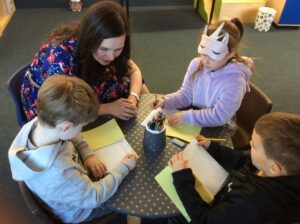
x=280, y=133
x=235, y=30
x=63, y=98
x=102, y=20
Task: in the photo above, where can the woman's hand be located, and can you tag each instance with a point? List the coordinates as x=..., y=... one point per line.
x=123, y=109
x=95, y=167
x=132, y=99
x=177, y=162
x=175, y=119
x=130, y=161
x=201, y=140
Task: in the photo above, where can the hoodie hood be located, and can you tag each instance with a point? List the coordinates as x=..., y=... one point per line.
x=25, y=163
x=234, y=68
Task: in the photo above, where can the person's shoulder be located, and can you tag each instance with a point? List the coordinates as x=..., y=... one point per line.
x=235, y=70
x=194, y=64
x=60, y=45
x=195, y=61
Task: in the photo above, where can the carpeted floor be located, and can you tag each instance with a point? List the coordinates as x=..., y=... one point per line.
x=164, y=40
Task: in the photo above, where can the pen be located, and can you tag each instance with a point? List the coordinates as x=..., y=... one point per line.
x=217, y=139
x=155, y=101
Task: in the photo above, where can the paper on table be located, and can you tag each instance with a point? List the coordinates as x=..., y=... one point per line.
x=103, y=135
x=205, y=168
x=184, y=131
x=111, y=155
x=165, y=180
x=150, y=116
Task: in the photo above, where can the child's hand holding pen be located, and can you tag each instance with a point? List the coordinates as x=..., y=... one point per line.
x=205, y=142
x=201, y=140
x=157, y=102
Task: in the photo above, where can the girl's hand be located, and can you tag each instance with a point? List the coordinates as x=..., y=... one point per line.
x=175, y=119
x=201, y=140
x=123, y=109
x=130, y=161
x=95, y=167
x=177, y=162
x=157, y=102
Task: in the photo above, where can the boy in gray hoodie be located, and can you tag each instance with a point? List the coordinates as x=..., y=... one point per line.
x=55, y=163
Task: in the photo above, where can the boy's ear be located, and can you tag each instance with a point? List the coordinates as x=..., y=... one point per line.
x=276, y=168
x=65, y=126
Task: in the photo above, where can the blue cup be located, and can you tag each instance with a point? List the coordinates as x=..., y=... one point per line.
x=154, y=141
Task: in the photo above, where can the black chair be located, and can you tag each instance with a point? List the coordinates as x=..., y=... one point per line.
x=14, y=85
x=45, y=218
x=255, y=104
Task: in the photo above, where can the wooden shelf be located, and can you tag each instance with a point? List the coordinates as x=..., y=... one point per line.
x=246, y=10
x=5, y=16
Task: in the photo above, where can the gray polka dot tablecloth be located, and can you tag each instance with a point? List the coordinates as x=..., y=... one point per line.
x=139, y=194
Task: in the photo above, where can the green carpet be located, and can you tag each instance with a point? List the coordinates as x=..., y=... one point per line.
x=164, y=40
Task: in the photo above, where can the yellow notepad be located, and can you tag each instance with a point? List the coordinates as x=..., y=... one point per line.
x=185, y=132
x=103, y=135
x=203, y=191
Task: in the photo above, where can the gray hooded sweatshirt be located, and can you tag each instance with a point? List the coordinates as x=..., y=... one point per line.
x=55, y=175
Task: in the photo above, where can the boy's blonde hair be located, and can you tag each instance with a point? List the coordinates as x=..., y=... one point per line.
x=280, y=134
x=63, y=98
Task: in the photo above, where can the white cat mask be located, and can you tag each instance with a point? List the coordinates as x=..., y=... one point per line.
x=215, y=45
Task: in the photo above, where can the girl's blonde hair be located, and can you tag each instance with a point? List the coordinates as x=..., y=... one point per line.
x=235, y=30
x=63, y=98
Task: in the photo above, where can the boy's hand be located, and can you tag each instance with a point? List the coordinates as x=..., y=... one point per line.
x=130, y=161
x=95, y=167
x=177, y=162
x=175, y=119
x=201, y=140
x=158, y=102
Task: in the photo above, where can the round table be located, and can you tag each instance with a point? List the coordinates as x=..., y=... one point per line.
x=139, y=194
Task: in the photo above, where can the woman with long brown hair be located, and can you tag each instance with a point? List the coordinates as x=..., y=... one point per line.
x=97, y=50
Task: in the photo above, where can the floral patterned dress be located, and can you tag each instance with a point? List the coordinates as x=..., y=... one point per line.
x=61, y=58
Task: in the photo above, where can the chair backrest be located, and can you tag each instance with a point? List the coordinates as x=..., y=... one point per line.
x=33, y=205
x=255, y=104
x=14, y=85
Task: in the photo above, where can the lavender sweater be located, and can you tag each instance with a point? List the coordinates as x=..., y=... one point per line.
x=219, y=94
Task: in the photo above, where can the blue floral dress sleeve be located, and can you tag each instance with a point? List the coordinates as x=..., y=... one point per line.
x=52, y=58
